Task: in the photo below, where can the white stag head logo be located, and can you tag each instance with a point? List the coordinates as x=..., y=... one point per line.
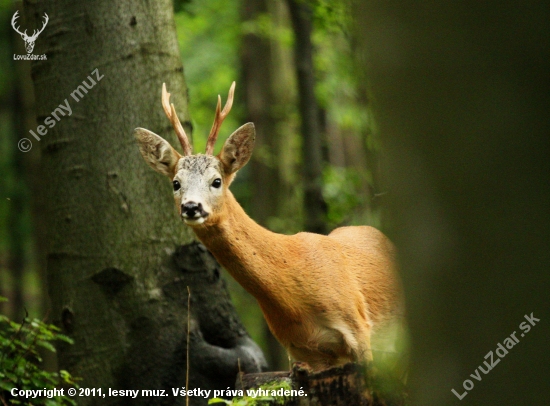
x=29, y=41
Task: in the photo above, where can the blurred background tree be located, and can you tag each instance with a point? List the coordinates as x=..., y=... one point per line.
x=461, y=95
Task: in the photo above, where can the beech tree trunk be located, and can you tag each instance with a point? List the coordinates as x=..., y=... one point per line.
x=115, y=273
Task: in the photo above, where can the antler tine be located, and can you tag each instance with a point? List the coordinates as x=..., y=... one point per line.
x=218, y=120
x=166, y=101
x=170, y=112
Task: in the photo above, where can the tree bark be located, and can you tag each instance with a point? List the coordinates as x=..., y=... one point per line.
x=314, y=204
x=113, y=230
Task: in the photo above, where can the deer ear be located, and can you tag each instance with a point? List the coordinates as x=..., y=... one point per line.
x=157, y=152
x=238, y=148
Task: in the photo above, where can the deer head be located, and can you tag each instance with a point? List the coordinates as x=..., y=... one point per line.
x=200, y=181
x=29, y=41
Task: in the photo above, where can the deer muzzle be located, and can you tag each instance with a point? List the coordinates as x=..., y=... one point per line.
x=193, y=213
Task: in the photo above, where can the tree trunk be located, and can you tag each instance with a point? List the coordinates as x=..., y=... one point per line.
x=314, y=204
x=114, y=280
x=256, y=56
x=462, y=101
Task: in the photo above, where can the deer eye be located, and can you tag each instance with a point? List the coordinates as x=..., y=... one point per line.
x=176, y=185
x=217, y=183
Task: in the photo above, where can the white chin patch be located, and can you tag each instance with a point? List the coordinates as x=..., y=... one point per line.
x=193, y=221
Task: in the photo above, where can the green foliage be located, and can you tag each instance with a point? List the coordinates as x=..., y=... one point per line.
x=208, y=34
x=182, y=6
x=258, y=400
x=264, y=26
x=332, y=16
x=341, y=190
x=20, y=361
x=338, y=89
x=342, y=93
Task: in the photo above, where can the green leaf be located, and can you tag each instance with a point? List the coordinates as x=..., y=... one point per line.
x=46, y=345
x=64, y=338
x=20, y=360
x=6, y=385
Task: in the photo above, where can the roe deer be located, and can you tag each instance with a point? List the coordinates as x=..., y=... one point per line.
x=322, y=296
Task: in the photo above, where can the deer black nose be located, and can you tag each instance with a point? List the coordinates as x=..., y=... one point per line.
x=190, y=209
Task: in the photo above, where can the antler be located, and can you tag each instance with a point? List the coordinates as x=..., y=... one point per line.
x=36, y=33
x=13, y=19
x=218, y=120
x=170, y=112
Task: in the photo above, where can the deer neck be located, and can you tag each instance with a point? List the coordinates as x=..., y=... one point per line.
x=253, y=255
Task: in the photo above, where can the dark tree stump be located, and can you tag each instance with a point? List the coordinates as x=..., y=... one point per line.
x=348, y=385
